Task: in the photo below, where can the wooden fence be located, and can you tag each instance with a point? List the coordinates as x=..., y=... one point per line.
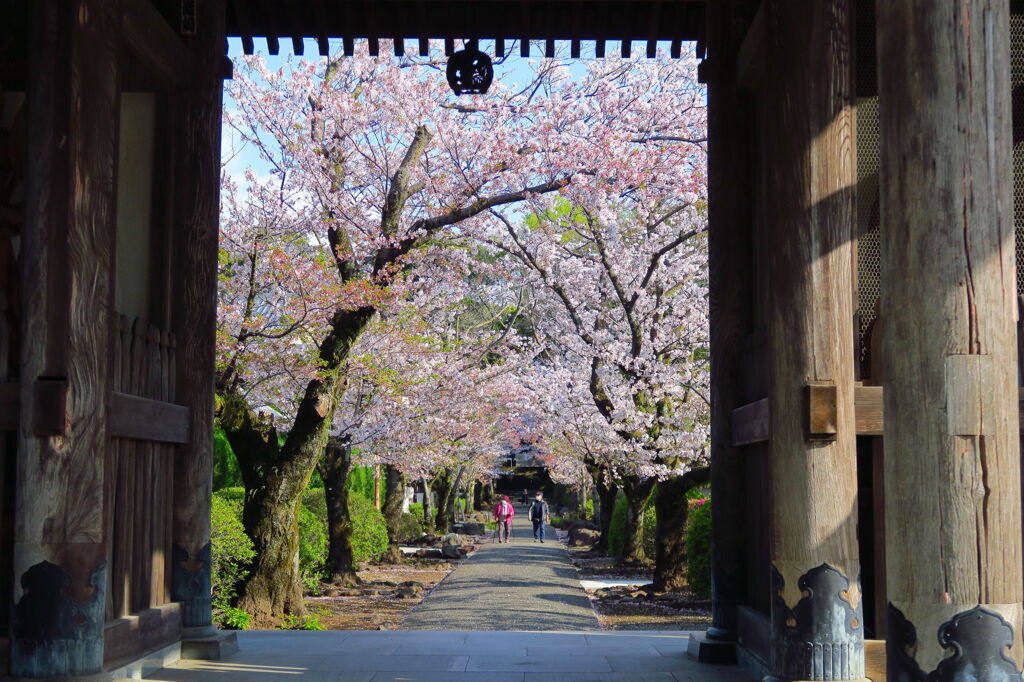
x=139, y=474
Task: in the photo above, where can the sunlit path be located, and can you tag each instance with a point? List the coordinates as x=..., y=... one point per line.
x=522, y=585
x=454, y=656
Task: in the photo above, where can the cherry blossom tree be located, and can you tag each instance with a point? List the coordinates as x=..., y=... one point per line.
x=620, y=275
x=379, y=175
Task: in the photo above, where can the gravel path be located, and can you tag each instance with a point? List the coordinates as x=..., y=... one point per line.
x=522, y=585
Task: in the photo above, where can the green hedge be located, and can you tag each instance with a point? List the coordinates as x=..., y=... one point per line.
x=230, y=553
x=369, y=530
x=410, y=528
x=698, y=549
x=232, y=550
x=617, y=530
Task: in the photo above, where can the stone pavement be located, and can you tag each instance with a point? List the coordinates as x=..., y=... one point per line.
x=453, y=656
x=528, y=591
x=522, y=585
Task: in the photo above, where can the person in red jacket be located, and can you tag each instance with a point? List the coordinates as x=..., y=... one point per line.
x=503, y=514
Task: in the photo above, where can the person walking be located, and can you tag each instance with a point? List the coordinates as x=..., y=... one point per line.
x=503, y=514
x=540, y=515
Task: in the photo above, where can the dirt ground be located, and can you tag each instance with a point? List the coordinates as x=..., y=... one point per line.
x=388, y=593
x=634, y=608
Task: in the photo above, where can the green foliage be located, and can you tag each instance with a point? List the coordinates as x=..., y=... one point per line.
x=698, y=550
x=617, y=529
x=650, y=528
x=230, y=552
x=409, y=528
x=416, y=509
x=225, y=466
x=369, y=530
x=233, y=619
x=310, y=622
x=588, y=507
x=312, y=547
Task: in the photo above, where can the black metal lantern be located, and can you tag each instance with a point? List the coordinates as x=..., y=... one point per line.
x=470, y=71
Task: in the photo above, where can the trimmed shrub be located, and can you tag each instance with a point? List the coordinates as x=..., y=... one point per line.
x=369, y=530
x=617, y=530
x=698, y=549
x=409, y=528
x=312, y=546
x=230, y=554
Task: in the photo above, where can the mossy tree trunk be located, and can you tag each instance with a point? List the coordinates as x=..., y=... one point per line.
x=334, y=469
x=672, y=509
x=638, y=493
x=392, y=509
x=607, y=491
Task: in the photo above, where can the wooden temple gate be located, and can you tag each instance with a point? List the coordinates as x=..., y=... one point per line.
x=866, y=183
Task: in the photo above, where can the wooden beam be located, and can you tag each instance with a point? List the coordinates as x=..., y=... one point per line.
x=149, y=37
x=49, y=397
x=867, y=402
x=60, y=539
x=750, y=423
x=952, y=449
x=197, y=210
x=10, y=406
x=751, y=59
x=729, y=243
x=809, y=175
x=131, y=636
x=149, y=420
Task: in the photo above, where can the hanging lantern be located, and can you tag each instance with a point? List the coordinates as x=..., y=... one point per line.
x=470, y=71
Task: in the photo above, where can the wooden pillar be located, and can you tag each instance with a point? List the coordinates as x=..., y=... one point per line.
x=952, y=469
x=729, y=268
x=810, y=172
x=60, y=546
x=195, y=309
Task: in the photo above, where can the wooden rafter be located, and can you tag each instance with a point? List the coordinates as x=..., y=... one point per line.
x=549, y=21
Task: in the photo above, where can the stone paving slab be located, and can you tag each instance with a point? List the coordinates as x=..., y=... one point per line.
x=454, y=656
x=522, y=585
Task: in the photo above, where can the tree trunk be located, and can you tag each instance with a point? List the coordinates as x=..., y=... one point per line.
x=392, y=510
x=638, y=494
x=672, y=508
x=428, y=505
x=478, y=496
x=443, y=486
x=606, y=494
x=340, y=558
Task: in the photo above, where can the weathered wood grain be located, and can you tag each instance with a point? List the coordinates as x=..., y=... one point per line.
x=729, y=309
x=196, y=208
x=148, y=420
x=146, y=34
x=60, y=517
x=809, y=174
x=952, y=451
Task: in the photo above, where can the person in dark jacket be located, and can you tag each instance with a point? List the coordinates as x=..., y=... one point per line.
x=540, y=515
